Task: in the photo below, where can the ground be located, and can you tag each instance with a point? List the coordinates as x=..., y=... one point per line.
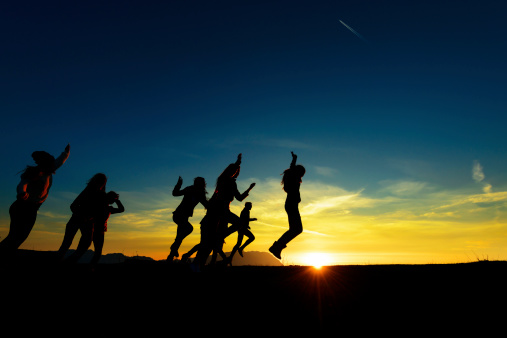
x=154, y=297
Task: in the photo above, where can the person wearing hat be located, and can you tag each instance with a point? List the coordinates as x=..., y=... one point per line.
x=32, y=191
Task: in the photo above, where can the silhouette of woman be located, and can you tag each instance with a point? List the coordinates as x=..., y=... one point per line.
x=32, y=191
x=87, y=208
x=100, y=224
x=218, y=215
x=243, y=230
x=192, y=195
x=291, y=181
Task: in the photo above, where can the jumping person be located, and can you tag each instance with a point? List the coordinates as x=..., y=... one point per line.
x=218, y=215
x=32, y=191
x=243, y=230
x=192, y=195
x=291, y=182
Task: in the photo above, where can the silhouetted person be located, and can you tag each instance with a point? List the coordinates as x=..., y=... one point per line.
x=192, y=195
x=100, y=223
x=32, y=191
x=218, y=215
x=243, y=230
x=87, y=208
x=291, y=181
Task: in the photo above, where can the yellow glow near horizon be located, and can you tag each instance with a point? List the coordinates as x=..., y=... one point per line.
x=317, y=259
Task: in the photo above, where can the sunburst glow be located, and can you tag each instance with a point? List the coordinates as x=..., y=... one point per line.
x=317, y=259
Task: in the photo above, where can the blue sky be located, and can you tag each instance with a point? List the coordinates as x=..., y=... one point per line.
x=147, y=92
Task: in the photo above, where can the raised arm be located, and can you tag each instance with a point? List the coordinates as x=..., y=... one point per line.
x=177, y=188
x=238, y=160
x=294, y=159
x=120, y=208
x=60, y=160
x=244, y=195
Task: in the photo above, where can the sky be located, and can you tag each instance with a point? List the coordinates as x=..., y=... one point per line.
x=397, y=110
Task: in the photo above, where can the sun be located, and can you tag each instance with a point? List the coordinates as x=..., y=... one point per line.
x=317, y=259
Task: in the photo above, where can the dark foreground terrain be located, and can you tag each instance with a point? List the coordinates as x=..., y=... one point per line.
x=149, y=298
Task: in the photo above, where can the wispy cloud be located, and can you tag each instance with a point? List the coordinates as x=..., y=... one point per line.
x=477, y=173
x=325, y=171
x=478, y=176
x=403, y=187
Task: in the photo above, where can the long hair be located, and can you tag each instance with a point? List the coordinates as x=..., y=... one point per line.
x=200, y=182
x=97, y=182
x=292, y=174
x=232, y=171
x=45, y=163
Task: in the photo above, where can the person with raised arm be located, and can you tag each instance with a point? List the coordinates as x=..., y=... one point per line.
x=87, y=208
x=192, y=195
x=32, y=191
x=218, y=215
x=291, y=182
x=100, y=224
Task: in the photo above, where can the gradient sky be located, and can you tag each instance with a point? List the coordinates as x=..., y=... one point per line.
x=402, y=133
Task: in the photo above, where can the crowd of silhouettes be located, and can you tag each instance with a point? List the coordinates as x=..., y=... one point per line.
x=93, y=206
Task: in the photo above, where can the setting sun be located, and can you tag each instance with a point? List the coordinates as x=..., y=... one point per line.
x=317, y=259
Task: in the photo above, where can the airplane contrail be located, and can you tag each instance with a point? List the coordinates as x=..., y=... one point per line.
x=353, y=31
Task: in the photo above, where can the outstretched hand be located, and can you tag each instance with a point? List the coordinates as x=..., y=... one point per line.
x=238, y=161
x=251, y=186
x=67, y=148
x=294, y=156
x=180, y=180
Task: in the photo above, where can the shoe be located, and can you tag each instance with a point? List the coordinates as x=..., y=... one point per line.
x=276, y=250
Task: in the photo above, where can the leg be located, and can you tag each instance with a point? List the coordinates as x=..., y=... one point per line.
x=295, y=228
x=98, y=244
x=70, y=232
x=236, y=247
x=184, y=229
x=23, y=215
x=84, y=242
x=235, y=222
x=219, y=240
x=250, y=239
x=295, y=224
x=187, y=255
x=206, y=245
